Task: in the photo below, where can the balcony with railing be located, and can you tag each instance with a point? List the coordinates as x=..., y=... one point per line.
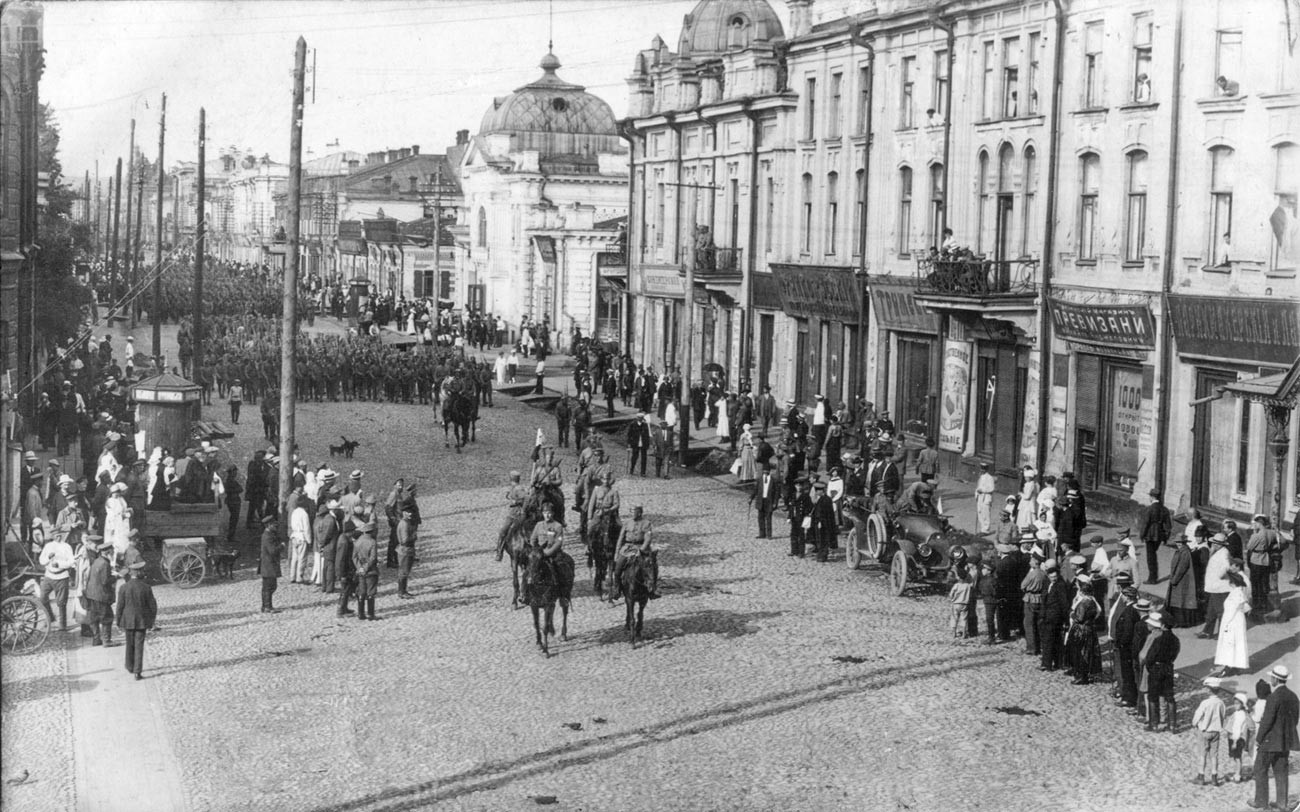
x=717, y=264
x=976, y=282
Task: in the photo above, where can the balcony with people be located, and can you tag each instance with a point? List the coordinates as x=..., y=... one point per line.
x=961, y=278
x=711, y=262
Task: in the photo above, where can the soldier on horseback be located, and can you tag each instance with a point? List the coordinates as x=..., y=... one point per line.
x=548, y=534
x=516, y=496
x=634, y=540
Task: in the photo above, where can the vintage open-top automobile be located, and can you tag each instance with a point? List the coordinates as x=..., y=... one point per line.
x=914, y=546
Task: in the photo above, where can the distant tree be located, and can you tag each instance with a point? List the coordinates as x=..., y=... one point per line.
x=60, y=298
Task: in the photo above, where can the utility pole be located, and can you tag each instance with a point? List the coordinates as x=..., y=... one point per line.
x=155, y=348
x=135, y=255
x=117, y=219
x=289, y=320
x=128, y=269
x=688, y=340
x=200, y=248
x=108, y=229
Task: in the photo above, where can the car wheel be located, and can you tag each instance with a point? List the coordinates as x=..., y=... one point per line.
x=898, y=573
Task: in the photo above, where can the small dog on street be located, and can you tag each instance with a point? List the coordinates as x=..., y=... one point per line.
x=345, y=449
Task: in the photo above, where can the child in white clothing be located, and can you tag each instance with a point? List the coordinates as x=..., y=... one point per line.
x=1241, y=728
x=960, y=597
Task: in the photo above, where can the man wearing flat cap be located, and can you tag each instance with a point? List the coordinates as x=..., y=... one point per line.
x=98, y=593
x=137, y=612
x=365, y=560
x=1264, y=557
x=268, y=566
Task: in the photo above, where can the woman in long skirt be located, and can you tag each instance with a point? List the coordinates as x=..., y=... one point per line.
x=748, y=471
x=1082, y=652
x=1232, y=655
x=1181, y=606
x=1028, y=507
x=723, y=430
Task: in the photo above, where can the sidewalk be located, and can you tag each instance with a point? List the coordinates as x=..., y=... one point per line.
x=1270, y=643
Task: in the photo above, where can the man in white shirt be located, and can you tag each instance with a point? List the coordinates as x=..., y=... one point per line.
x=58, y=561
x=300, y=537
x=541, y=374
x=1216, y=585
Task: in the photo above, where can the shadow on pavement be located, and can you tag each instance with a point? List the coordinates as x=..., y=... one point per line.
x=494, y=775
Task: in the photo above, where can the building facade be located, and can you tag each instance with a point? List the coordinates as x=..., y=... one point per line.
x=544, y=184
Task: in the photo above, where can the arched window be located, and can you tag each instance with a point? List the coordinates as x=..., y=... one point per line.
x=984, y=183
x=482, y=227
x=1135, y=215
x=904, y=211
x=1223, y=175
x=936, y=206
x=1029, y=230
x=1089, y=186
x=1005, y=175
x=1286, y=184
x=832, y=210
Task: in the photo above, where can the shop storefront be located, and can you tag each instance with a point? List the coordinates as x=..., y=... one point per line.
x=1102, y=424
x=825, y=304
x=352, y=249
x=1218, y=455
x=909, y=361
x=658, y=314
x=766, y=301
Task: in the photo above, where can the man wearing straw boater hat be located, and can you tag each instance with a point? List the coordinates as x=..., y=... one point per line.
x=1277, y=736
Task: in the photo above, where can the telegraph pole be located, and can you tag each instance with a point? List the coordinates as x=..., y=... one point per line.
x=688, y=340
x=135, y=255
x=200, y=248
x=289, y=325
x=117, y=218
x=127, y=269
x=155, y=307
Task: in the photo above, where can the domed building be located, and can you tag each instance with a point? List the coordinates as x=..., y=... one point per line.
x=545, y=184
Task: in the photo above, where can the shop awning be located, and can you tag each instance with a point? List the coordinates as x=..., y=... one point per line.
x=1265, y=331
x=1279, y=388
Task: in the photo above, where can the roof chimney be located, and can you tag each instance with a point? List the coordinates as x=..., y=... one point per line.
x=415, y=149
x=462, y=137
x=392, y=156
x=353, y=163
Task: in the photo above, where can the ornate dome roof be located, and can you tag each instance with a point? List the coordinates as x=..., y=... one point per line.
x=550, y=105
x=717, y=26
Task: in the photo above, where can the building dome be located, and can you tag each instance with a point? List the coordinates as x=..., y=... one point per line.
x=717, y=26
x=553, y=116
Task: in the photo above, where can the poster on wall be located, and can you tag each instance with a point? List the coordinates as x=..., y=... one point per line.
x=1125, y=454
x=1029, y=435
x=956, y=386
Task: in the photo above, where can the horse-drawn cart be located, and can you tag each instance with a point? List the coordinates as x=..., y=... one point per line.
x=184, y=561
x=24, y=623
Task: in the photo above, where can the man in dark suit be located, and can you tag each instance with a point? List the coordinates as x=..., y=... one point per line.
x=1126, y=625
x=638, y=443
x=766, y=497
x=1155, y=524
x=1052, y=620
x=1276, y=737
x=1159, y=667
x=136, y=613
x=763, y=450
x=663, y=449
x=563, y=414
x=344, y=569
x=268, y=565
x=325, y=533
x=824, y=525
x=800, y=517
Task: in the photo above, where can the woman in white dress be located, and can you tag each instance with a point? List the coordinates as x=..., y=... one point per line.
x=1232, y=655
x=748, y=471
x=117, y=519
x=1028, y=507
x=723, y=431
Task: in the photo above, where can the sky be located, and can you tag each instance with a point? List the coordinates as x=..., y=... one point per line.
x=387, y=74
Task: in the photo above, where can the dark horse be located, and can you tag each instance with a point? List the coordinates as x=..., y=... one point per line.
x=602, y=543
x=546, y=582
x=520, y=528
x=635, y=584
x=459, y=411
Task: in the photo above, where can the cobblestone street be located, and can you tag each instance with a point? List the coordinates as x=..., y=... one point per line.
x=764, y=682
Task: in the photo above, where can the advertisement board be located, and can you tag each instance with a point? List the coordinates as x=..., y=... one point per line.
x=956, y=394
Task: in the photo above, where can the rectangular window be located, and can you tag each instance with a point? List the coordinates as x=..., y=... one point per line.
x=939, y=96
x=1031, y=81
x=657, y=144
x=832, y=210
x=837, y=87
x=767, y=132
x=1227, y=63
x=1091, y=179
x=864, y=99
x=1135, y=226
x=907, y=72
x=805, y=243
x=1093, y=35
x=936, y=206
x=1243, y=448
x=1142, y=28
x=1123, y=425
x=988, y=89
x=915, y=402
x=810, y=109
x=1222, y=176
x=1029, y=226
x=659, y=222
x=692, y=141
x=733, y=193
x=1011, y=77
x=905, y=212
x=769, y=213
x=859, y=208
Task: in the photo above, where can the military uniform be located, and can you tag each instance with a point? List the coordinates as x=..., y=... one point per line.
x=365, y=559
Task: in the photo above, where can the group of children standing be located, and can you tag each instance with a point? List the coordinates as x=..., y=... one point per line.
x=1232, y=717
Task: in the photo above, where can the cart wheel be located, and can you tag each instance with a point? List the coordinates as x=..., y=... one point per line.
x=876, y=536
x=23, y=624
x=898, y=573
x=186, y=569
x=852, y=555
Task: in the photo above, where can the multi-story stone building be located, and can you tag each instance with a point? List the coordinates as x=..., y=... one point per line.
x=545, y=184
